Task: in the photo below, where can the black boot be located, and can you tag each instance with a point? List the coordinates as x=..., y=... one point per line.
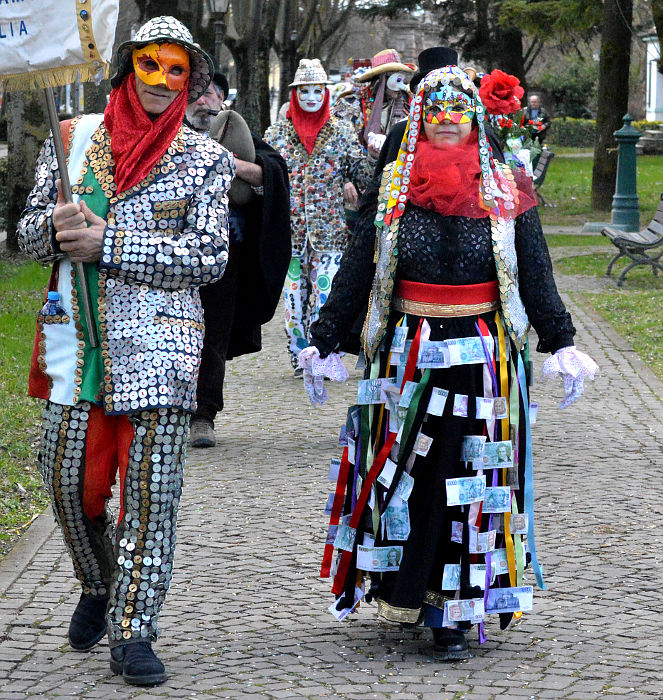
x=88, y=623
x=449, y=644
x=137, y=664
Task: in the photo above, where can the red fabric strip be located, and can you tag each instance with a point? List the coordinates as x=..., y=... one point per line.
x=107, y=446
x=346, y=557
x=411, y=364
x=448, y=293
x=337, y=507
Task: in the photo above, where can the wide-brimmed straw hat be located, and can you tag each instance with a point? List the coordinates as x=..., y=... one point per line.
x=387, y=61
x=167, y=29
x=310, y=72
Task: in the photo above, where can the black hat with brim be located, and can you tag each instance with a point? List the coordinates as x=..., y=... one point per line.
x=430, y=59
x=221, y=80
x=160, y=30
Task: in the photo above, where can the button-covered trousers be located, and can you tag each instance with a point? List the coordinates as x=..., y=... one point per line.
x=306, y=288
x=82, y=451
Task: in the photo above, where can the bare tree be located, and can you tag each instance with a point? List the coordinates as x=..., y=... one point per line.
x=26, y=131
x=304, y=27
x=250, y=37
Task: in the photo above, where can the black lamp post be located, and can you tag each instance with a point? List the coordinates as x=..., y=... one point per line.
x=218, y=12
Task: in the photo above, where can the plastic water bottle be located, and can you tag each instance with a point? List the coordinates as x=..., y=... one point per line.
x=51, y=311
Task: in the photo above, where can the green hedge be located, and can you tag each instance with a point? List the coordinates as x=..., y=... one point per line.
x=643, y=125
x=579, y=133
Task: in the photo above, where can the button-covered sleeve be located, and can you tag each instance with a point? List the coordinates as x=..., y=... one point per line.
x=356, y=166
x=35, y=227
x=195, y=257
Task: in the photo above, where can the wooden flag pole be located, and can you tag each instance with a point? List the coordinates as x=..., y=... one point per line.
x=54, y=123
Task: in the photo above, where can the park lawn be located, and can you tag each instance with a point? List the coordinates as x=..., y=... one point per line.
x=636, y=313
x=22, y=495
x=568, y=186
x=635, y=310
x=575, y=240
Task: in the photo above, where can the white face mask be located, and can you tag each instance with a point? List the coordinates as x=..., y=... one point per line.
x=311, y=97
x=396, y=81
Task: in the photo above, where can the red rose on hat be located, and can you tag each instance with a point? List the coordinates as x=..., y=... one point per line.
x=500, y=92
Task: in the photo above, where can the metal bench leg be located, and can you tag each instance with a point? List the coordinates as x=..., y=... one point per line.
x=608, y=272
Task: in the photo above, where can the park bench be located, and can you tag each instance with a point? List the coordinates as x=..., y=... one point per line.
x=539, y=174
x=641, y=247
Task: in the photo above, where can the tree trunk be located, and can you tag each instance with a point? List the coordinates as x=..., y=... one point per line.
x=510, y=57
x=289, y=62
x=95, y=97
x=657, y=15
x=612, y=97
x=252, y=65
x=26, y=131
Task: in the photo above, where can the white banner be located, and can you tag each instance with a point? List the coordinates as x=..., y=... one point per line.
x=51, y=42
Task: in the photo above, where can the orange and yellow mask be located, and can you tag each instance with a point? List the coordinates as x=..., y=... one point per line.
x=162, y=64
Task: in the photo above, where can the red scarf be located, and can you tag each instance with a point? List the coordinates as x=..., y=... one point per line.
x=307, y=124
x=446, y=178
x=138, y=142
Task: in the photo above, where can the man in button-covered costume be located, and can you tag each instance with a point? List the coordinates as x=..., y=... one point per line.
x=322, y=154
x=149, y=223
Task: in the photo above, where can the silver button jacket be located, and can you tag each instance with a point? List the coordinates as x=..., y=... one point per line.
x=317, y=180
x=164, y=237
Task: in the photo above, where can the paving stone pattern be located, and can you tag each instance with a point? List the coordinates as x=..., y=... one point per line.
x=246, y=615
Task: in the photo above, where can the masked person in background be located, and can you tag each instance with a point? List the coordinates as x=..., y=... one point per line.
x=247, y=296
x=379, y=99
x=149, y=234
x=322, y=153
x=450, y=255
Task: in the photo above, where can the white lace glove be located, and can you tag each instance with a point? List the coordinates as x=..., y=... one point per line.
x=375, y=141
x=315, y=371
x=573, y=366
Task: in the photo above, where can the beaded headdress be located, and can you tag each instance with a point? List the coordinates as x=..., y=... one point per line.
x=397, y=194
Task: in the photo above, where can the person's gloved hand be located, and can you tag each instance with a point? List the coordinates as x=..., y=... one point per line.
x=574, y=366
x=315, y=371
x=375, y=142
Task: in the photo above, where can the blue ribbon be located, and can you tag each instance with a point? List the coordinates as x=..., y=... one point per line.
x=529, y=476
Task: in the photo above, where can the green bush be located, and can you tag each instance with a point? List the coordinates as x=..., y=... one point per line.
x=572, y=86
x=3, y=194
x=579, y=133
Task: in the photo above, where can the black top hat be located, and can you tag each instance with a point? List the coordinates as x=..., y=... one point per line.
x=221, y=80
x=430, y=59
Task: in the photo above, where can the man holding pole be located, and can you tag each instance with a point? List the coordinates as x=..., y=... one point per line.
x=150, y=225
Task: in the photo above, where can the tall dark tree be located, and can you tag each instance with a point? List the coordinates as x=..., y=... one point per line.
x=612, y=97
x=26, y=131
x=250, y=37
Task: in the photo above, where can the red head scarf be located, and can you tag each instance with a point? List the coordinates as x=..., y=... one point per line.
x=138, y=142
x=307, y=124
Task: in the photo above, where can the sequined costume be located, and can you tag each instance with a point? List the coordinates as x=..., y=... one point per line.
x=319, y=231
x=404, y=537
x=123, y=409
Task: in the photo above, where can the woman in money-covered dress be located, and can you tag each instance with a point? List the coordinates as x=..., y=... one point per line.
x=437, y=461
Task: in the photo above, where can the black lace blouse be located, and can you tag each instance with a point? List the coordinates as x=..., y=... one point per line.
x=437, y=249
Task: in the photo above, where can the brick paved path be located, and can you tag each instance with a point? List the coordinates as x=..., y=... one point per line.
x=246, y=615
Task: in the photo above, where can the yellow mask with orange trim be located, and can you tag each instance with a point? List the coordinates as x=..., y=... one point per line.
x=162, y=64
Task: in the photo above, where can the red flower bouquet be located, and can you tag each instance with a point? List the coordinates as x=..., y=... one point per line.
x=500, y=92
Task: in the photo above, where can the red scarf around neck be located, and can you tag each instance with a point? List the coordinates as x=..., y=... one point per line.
x=138, y=142
x=307, y=124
